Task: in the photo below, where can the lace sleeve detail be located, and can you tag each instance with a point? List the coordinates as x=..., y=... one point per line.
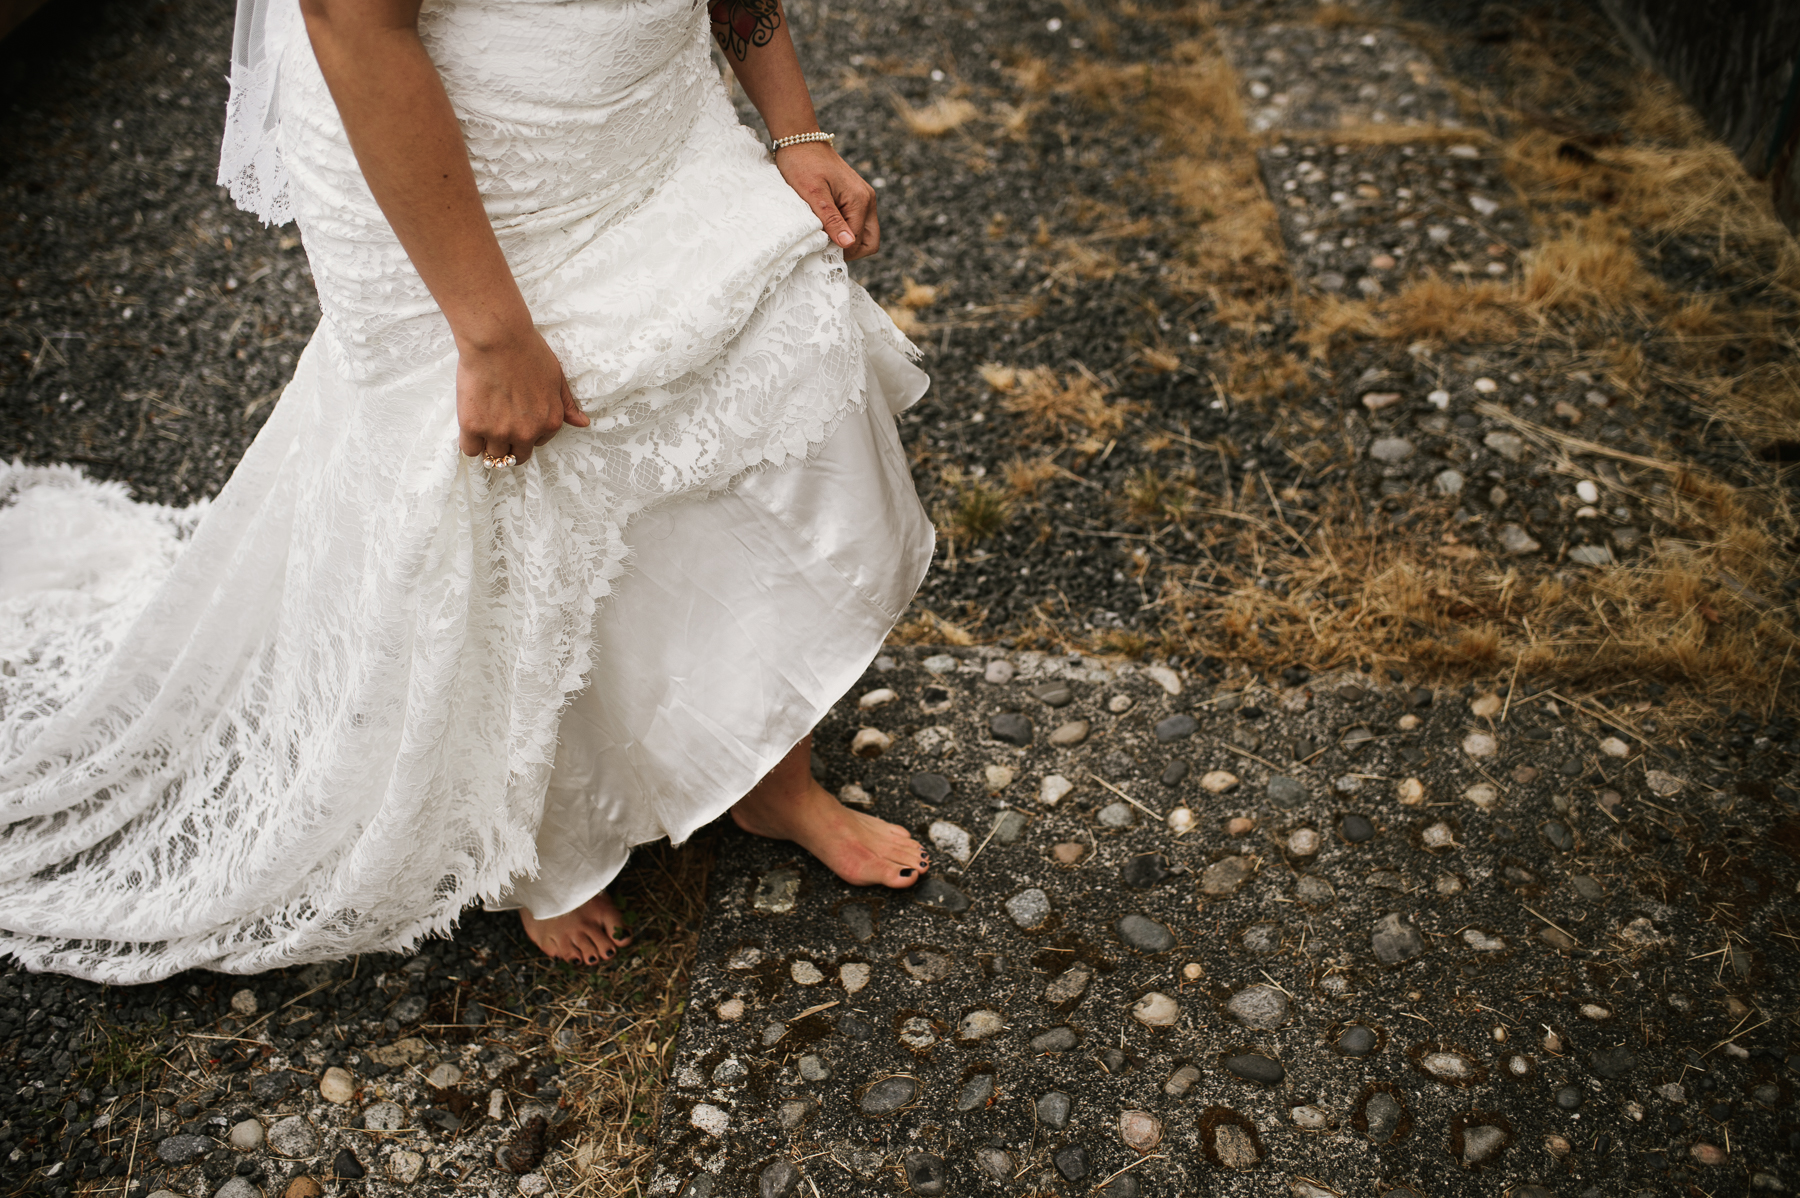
x=250, y=163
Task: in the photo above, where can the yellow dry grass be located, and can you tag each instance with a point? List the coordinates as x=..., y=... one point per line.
x=937, y=118
x=1058, y=405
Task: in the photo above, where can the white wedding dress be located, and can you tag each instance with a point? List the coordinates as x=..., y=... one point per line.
x=372, y=684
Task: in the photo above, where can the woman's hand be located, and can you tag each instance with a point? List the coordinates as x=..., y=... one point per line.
x=511, y=396
x=844, y=202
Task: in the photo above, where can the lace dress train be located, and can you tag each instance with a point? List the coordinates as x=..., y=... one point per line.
x=371, y=684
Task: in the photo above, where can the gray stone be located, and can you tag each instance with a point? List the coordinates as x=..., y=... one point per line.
x=1174, y=772
x=933, y=788
x=772, y=1033
x=1259, y=1006
x=939, y=895
x=1481, y=1143
x=1053, y=694
x=1068, y=985
x=940, y=663
x=1448, y=1066
x=1516, y=541
x=271, y=1088
x=1145, y=934
x=1176, y=727
x=1057, y=1039
x=1356, y=1041
x=780, y=1178
x=777, y=892
x=1384, y=1114
x=1588, y=888
x=1224, y=876
x=977, y=1092
x=1072, y=1162
x=1117, y=815
x=888, y=1095
x=1145, y=870
x=1011, y=826
x=181, y=1150
x=293, y=1137
x=860, y=919
x=1391, y=450
x=997, y=1163
x=1357, y=829
x=1613, y=1063
x=1115, y=1062
x=1117, y=765
x=999, y=672
x=925, y=1173
x=1284, y=791
x=1449, y=483
x=1029, y=908
x=1053, y=1110
x=1181, y=1081
x=1235, y=1148
x=410, y=1009
x=812, y=1068
x=1262, y=939
x=237, y=1187
x=1569, y=1098
x=1254, y=1067
x=1347, y=784
x=1559, y=836
x=917, y=1033
x=1067, y=736
x=247, y=1135
x=1123, y=1186
x=1315, y=891
x=1508, y=445
x=1394, y=940
x=1011, y=728
x=1591, y=555
x=792, y=1113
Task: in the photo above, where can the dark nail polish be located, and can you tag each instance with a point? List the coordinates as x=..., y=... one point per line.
x=906, y=873
x=609, y=954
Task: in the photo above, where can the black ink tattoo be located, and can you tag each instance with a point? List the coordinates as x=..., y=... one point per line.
x=740, y=24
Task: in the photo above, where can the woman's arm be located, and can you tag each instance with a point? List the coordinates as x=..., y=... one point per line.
x=754, y=36
x=510, y=390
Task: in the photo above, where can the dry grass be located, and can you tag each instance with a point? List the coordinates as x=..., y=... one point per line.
x=1056, y=405
x=625, y=1018
x=937, y=118
x=1433, y=308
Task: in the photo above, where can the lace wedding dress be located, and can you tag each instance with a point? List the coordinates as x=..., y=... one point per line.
x=372, y=684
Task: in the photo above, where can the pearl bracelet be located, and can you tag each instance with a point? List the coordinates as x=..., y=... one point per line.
x=799, y=139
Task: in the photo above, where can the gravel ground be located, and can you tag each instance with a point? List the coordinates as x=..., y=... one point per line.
x=149, y=326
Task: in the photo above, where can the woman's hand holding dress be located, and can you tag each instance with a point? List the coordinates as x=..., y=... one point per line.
x=511, y=395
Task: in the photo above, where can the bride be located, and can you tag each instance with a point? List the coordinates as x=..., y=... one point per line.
x=584, y=504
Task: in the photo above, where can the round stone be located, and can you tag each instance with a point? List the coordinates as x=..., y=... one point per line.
x=917, y=1033
x=237, y=1187
x=384, y=1116
x=1181, y=1081
x=1259, y=1006
x=444, y=1076
x=999, y=672
x=246, y=1135
x=731, y=1010
x=1612, y=746
x=1707, y=1154
x=998, y=778
x=1239, y=825
x=1053, y=1110
x=337, y=1086
x=1011, y=727
x=813, y=1068
x=1140, y=1130
x=1057, y=1039
x=1181, y=821
x=1174, y=773
x=1284, y=791
x=1254, y=1067
x=1480, y=744
x=1438, y=836
x=1447, y=1066
x=1067, y=736
x=1310, y=1118
x=1570, y=1098
x=997, y=1163
x=950, y=840
x=1156, y=1009
x=1391, y=450
x=979, y=1025
x=1176, y=727
x=976, y=1093
x=243, y=1003
x=1218, y=781
x=1357, y=829
x=870, y=742
x=1072, y=1162
x=1356, y=1041
x=1483, y=795
x=876, y=698
x=1224, y=876
x=1119, y=704
x=933, y=788
x=1068, y=985
x=293, y=1137
x=1029, y=908
x=780, y=1178
x=888, y=1095
x=1117, y=815
x=1145, y=934
x=1303, y=842
x=1482, y=1143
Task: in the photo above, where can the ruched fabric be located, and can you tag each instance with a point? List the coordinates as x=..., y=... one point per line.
x=321, y=714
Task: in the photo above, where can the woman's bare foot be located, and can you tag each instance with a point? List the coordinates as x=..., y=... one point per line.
x=864, y=851
x=590, y=934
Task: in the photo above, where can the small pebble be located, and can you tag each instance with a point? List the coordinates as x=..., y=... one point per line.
x=337, y=1085
x=1707, y=1154
x=1119, y=704
x=1174, y=773
x=1054, y=789
x=1140, y=1130
x=1181, y=821
x=1181, y=1081
x=1356, y=1041
x=1411, y=792
x=853, y=976
x=1070, y=734
x=444, y=1076
x=1156, y=1009
x=888, y=1095
x=1166, y=678
x=731, y=1010
x=1068, y=852
x=1357, y=828
x=1303, y=842
x=876, y=698
x=1254, y=1067
x=1612, y=746
x=1485, y=706
x=1117, y=815
x=246, y=1135
x=1239, y=825
x=999, y=672
x=1145, y=934
x=805, y=973
x=871, y=742
x=1285, y=792
x=1218, y=781
x=1057, y=1039
x=950, y=840
x=1029, y=908
x=1480, y=744
x=1483, y=795
x=1053, y=1110
x=243, y=1003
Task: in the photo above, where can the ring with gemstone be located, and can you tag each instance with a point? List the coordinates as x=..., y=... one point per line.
x=493, y=462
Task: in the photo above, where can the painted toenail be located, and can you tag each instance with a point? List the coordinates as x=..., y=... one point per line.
x=906, y=873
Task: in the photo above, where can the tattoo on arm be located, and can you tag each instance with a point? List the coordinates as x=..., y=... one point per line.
x=740, y=24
